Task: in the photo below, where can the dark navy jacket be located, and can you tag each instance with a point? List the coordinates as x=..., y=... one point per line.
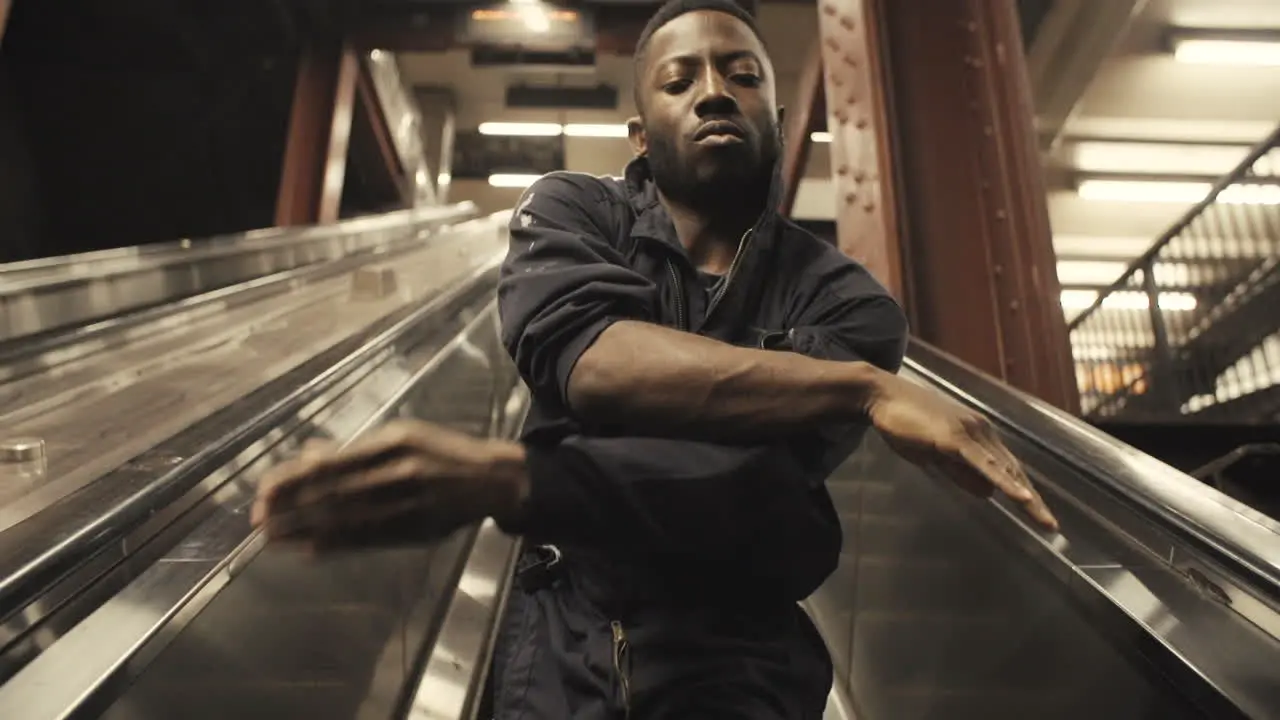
x=588, y=251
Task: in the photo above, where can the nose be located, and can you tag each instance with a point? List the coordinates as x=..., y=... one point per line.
x=714, y=97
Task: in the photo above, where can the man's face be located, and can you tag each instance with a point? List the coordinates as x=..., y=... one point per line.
x=708, y=105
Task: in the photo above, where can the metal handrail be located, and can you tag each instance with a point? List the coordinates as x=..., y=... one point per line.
x=1226, y=181
x=97, y=263
x=239, y=426
x=1235, y=534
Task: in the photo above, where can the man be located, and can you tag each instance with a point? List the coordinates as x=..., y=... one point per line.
x=698, y=366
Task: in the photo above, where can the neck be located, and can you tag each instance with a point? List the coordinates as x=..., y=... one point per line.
x=710, y=238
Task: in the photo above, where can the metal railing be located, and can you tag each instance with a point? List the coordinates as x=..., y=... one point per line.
x=1191, y=331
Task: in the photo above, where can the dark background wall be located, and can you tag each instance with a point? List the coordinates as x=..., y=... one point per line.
x=128, y=123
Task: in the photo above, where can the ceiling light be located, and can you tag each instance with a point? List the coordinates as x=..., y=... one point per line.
x=1157, y=191
x=820, y=137
x=1092, y=156
x=535, y=18
x=517, y=128
x=512, y=180
x=593, y=130
x=1251, y=194
x=1206, y=51
x=1098, y=273
x=1126, y=300
x=1143, y=191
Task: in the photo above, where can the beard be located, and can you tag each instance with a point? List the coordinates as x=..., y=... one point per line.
x=731, y=178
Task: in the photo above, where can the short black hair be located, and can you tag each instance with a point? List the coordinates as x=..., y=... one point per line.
x=673, y=9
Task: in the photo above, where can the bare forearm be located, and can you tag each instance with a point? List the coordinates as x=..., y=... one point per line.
x=664, y=382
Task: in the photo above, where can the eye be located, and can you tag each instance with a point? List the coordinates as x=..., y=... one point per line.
x=675, y=87
x=746, y=79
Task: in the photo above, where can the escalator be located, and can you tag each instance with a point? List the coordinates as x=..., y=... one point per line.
x=1158, y=599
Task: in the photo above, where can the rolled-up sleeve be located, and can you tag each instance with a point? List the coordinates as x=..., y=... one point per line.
x=563, y=282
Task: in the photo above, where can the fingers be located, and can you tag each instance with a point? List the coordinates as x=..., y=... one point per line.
x=997, y=463
x=306, y=498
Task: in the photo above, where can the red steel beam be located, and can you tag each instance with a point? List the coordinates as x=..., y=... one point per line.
x=367, y=97
x=981, y=264
x=4, y=16
x=867, y=218
x=798, y=123
x=319, y=134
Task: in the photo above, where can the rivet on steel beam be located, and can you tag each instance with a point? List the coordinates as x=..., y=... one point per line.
x=847, y=22
x=842, y=170
x=841, y=116
x=1000, y=214
x=860, y=176
x=833, y=44
x=1014, y=305
x=837, y=80
x=998, y=270
x=850, y=60
x=869, y=206
x=862, y=123
x=971, y=26
x=988, y=130
x=851, y=198
x=829, y=9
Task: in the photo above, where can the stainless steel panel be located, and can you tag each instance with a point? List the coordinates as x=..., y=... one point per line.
x=1198, y=514
x=42, y=296
x=102, y=410
x=321, y=638
x=948, y=607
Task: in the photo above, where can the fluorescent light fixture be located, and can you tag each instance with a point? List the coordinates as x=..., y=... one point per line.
x=615, y=130
x=528, y=129
x=1207, y=51
x=1090, y=272
x=535, y=18
x=443, y=179
x=820, y=137
x=1143, y=191
x=512, y=180
x=1093, y=156
x=1127, y=300
x=375, y=55
x=1251, y=194
x=1157, y=191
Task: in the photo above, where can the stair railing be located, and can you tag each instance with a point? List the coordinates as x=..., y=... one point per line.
x=1185, y=333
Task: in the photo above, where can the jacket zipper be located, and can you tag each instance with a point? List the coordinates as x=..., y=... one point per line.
x=743, y=244
x=681, y=317
x=621, y=665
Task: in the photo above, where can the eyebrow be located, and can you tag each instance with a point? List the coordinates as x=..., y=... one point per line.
x=726, y=58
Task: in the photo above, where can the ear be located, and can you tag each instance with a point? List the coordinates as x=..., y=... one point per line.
x=637, y=136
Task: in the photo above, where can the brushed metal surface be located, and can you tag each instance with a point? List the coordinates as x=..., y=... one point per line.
x=39, y=296
x=948, y=607
x=221, y=625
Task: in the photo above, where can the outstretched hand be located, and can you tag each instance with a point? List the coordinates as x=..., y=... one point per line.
x=406, y=482
x=930, y=430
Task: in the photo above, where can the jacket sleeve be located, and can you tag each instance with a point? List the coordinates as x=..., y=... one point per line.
x=718, y=505
x=562, y=282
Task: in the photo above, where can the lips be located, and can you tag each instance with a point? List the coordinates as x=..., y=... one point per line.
x=718, y=127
